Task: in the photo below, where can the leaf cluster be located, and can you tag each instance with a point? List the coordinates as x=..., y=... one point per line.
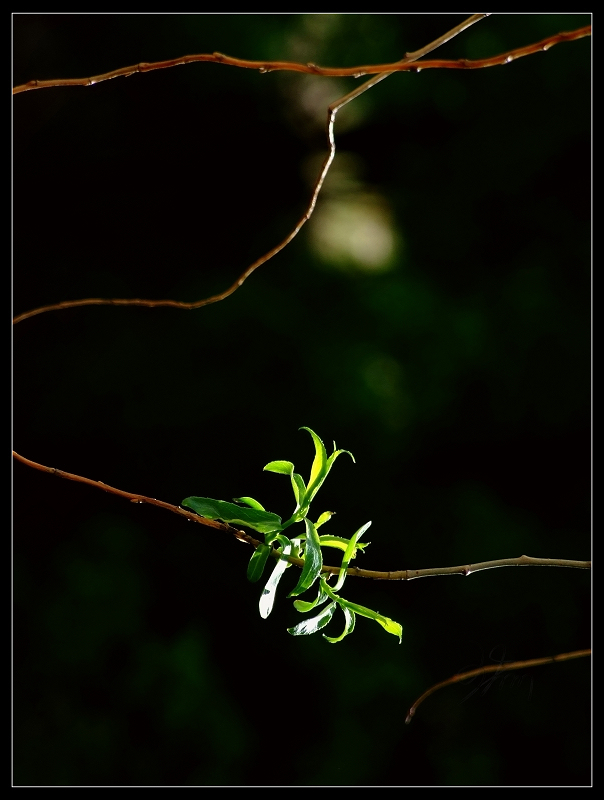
x=307, y=545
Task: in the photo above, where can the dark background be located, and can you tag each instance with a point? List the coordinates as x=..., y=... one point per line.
x=457, y=372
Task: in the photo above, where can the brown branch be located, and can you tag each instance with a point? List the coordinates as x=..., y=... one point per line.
x=331, y=115
x=383, y=70
x=468, y=569
x=399, y=575
x=134, y=498
x=312, y=69
x=533, y=662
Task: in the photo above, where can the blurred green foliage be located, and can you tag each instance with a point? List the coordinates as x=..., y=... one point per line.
x=458, y=373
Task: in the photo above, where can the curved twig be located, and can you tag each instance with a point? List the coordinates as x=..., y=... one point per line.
x=313, y=69
x=331, y=116
x=462, y=676
x=398, y=575
x=381, y=70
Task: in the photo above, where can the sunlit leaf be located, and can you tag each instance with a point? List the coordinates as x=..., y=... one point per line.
x=298, y=485
x=257, y=563
x=348, y=627
x=320, y=469
x=282, y=467
x=267, y=598
x=314, y=624
x=333, y=457
x=286, y=545
x=325, y=517
x=249, y=501
x=313, y=560
x=304, y=607
x=319, y=463
x=349, y=554
x=388, y=624
x=340, y=543
x=262, y=521
x=334, y=541
x=299, y=488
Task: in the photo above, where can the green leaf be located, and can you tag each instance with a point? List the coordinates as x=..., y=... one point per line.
x=299, y=488
x=349, y=554
x=275, y=536
x=282, y=467
x=333, y=457
x=339, y=543
x=257, y=563
x=348, y=627
x=320, y=469
x=298, y=485
x=325, y=517
x=267, y=598
x=262, y=521
x=249, y=501
x=304, y=607
x=319, y=464
x=314, y=624
x=388, y=624
x=313, y=560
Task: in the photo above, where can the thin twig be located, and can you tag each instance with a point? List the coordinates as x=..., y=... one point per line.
x=468, y=569
x=398, y=575
x=331, y=115
x=312, y=69
x=137, y=498
x=462, y=676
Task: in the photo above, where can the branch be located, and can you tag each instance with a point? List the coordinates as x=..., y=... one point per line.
x=468, y=569
x=135, y=498
x=331, y=115
x=399, y=575
x=382, y=70
x=533, y=662
x=313, y=69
